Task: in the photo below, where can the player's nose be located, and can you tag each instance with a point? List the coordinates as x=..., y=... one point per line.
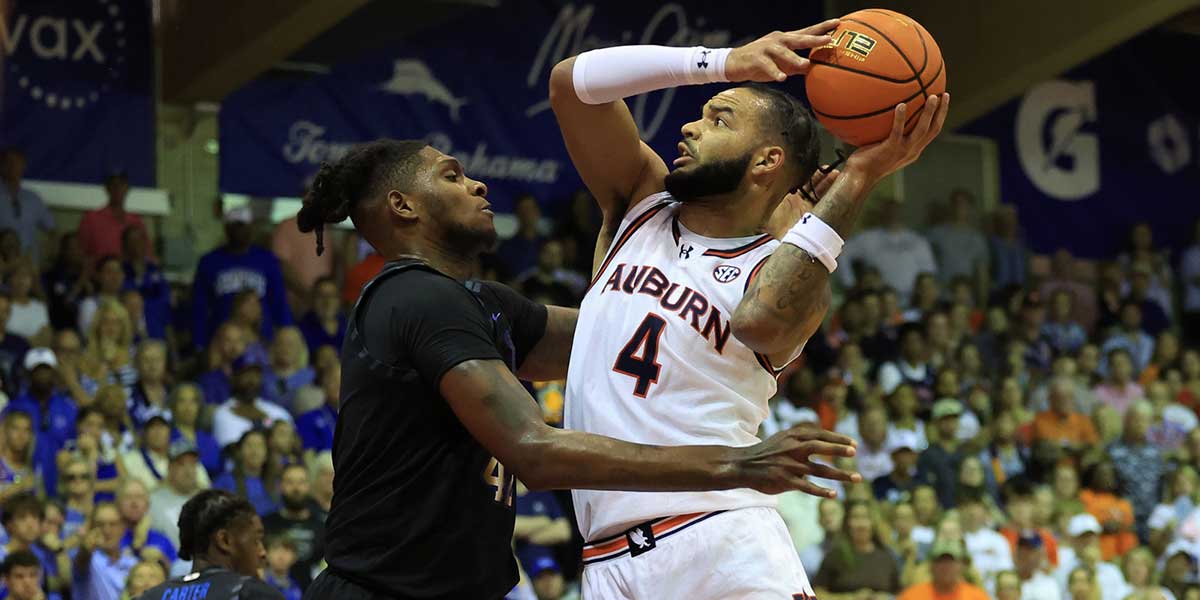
x=478, y=188
x=690, y=130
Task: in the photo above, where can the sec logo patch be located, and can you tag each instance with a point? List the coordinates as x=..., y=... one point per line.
x=726, y=273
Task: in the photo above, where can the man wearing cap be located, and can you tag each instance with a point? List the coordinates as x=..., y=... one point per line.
x=238, y=265
x=181, y=482
x=52, y=412
x=946, y=565
x=100, y=229
x=902, y=447
x=1030, y=561
x=938, y=464
x=1180, y=567
x=245, y=410
x=545, y=574
x=1084, y=531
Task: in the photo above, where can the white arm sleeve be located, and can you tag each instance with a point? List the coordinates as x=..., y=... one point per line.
x=609, y=74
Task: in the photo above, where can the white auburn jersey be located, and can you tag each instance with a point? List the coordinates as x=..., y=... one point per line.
x=654, y=359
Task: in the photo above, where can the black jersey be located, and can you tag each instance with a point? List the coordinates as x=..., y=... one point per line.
x=213, y=583
x=420, y=509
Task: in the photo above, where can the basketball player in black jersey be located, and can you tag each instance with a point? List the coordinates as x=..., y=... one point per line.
x=223, y=537
x=433, y=420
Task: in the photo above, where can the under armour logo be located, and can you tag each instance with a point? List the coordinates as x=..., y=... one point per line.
x=805, y=218
x=703, y=64
x=685, y=251
x=495, y=316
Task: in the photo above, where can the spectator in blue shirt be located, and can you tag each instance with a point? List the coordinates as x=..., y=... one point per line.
x=133, y=502
x=23, y=576
x=52, y=412
x=520, y=252
x=1130, y=337
x=540, y=520
x=185, y=412
x=147, y=278
x=227, y=345
x=21, y=208
x=237, y=266
x=17, y=468
x=281, y=556
x=288, y=369
x=249, y=467
x=148, y=396
x=22, y=517
x=12, y=349
x=317, y=424
x=325, y=324
x=102, y=563
x=1062, y=330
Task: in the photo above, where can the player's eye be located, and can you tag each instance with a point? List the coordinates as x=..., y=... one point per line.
x=452, y=176
x=720, y=122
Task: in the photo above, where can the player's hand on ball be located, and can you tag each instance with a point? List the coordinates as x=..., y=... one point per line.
x=773, y=57
x=899, y=149
x=783, y=461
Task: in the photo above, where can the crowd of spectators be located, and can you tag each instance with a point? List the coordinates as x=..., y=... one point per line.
x=1026, y=425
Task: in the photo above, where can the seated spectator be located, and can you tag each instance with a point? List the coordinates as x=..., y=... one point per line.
x=149, y=462
x=227, y=345
x=1061, y=432
x=1167, y=356
x=77, y=489
x=112, y=401
x=912, y=541
x=102, y=564
x=22, y=575
x=283, y=448
x=249, y=466
x=990, y=552
x=300, y=521
x=1066, y=495
x=17, y=469
x=23, y=516
x=1008, y=587
x=1177, y=504
x=1084, y=552
x=1032, y=566
x=1009, y=254
x=859, y=563
x=146, y=277
x=325, y=323
x=546, y=575
x=947, y=582
x=902, y=480
x=830, y=517
x=1171, y=422
x=1155, y=311
x=133, y=503
x=960, y=247
x=1119, y=390
x=1030, y=331
x=96, y=447
x=144, y=576
x=926, y=297
x=281, y=557
x=51, y=412
x=68, y=350
x=938, y=464
x=12, y=350
x=1138, y=568
x=181, y=481
x=520, y=252
x=1082, y=584
x=1003, y=459
x=109, y=280
x=550, y=280
x=873, y=456
x=1139, y=465
x=135, y=307
x=108, y=354
x=912, y=367
x=28, y=317
x=246, y=310
x=1063, y=330
x=245, y=410
x=1131, y=339
x=541, y=523
x=250, y=268
x=902, y=406
x=318, y=421
x=148, y=396
x=185, y=408
x=1065, y=367
x=1022, y=513
x=322, y=478
x=65, y=283
x=1179, y=570
x=1114, y=513
x=288, y=369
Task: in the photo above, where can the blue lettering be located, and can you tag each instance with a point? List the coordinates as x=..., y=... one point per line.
x=203, y=589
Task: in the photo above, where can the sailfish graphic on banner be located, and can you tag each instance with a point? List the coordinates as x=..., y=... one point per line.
x=411, y=76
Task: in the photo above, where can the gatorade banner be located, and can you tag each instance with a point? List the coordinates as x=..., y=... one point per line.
x=476, y=88
x=1116, y=141
x=77, y=95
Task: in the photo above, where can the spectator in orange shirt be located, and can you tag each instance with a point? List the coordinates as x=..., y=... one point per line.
x=1061, y=432
x=1114, y=513
x=101, y=229
x=359, y=275
x=947, y=568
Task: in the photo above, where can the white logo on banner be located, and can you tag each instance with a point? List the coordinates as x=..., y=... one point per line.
x=1066, y=163
x=411, y=76
x=98, y=45
x=1169, y=145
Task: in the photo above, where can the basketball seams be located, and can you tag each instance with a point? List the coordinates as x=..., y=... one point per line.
x=882, y=110
x=862, y=72
x=903, y=56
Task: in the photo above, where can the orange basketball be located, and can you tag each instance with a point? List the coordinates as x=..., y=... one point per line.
x=877, y=59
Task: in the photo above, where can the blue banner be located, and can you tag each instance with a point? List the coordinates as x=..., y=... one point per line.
x=1111, y=143
x=476, y=88
x=77, y=94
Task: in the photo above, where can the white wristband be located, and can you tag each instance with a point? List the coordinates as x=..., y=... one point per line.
x=817, y=238
x=609, y=74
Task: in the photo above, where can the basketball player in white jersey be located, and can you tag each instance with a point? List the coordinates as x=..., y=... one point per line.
x=695, y=306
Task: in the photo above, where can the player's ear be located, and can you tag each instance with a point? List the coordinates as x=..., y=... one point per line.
x=767, y=160
x=401, y=205
x=222, y=541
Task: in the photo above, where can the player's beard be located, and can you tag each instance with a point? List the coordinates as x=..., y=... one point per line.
x=464, y=238
x=707, y=179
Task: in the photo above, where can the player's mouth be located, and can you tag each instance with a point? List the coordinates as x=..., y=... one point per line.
x=684, y=155
x=487, y=208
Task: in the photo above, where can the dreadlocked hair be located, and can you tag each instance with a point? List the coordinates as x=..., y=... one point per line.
x=799, y=131
x=360, y=173
x=206, y=513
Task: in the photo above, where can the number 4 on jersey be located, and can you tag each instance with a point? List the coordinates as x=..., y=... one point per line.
x=639, y=357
